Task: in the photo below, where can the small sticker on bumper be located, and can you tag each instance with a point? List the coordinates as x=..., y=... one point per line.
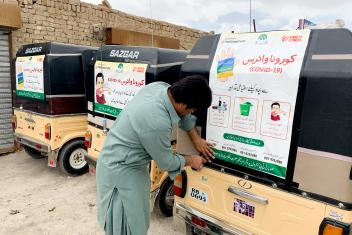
x=244, y=208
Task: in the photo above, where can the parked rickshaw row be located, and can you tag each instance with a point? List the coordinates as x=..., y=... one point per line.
x=280, y=123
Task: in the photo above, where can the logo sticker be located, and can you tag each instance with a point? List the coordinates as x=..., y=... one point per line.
x=199, y=195
x=335, y=215
x=119, y=68
x=244, y=184
x=262, y=39
x=204, y=178
x=225, y=68
x=244, y=208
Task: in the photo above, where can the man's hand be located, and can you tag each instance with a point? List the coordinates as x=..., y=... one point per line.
x=203, y=147
x=194, y=161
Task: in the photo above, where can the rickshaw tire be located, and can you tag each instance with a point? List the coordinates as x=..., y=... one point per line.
x=64, y=158
x=33, y=152
x=160, y=201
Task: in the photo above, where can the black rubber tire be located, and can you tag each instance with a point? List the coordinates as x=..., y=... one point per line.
x=64, y=158
x=33, y=152
x=161, y=203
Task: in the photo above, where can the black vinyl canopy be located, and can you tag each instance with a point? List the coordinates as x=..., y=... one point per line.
x=162, y=65
x=63, y=76
x=323, y=115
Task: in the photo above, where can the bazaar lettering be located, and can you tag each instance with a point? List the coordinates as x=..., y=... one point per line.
x=33, y=50
x=124, y=54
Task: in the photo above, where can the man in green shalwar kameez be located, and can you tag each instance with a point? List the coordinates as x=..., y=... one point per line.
x=141, y=133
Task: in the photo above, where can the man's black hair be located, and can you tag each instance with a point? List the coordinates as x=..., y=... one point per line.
x=192, y=91
x=276, y=103
x=99, y=75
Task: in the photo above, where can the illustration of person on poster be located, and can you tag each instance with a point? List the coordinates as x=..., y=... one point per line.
x=100, y=89
x=276, y=111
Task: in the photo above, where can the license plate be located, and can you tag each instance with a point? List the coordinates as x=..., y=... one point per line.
x=196, y=231
x=214, y=230
x=199, y=195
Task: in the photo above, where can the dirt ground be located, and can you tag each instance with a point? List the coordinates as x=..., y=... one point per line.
x=36, y=199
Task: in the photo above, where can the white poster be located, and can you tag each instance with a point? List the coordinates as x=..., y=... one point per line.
x=30, y=76
x=254, y=78
x=116, y=84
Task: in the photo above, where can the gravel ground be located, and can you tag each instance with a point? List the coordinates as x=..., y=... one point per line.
x=36, y=199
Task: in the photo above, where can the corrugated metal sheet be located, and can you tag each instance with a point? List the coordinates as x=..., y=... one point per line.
x=6, y=132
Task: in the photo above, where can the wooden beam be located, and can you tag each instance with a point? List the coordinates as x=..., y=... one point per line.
x=132, y=38
x=10, y=16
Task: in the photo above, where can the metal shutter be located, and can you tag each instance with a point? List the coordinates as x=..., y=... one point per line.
x=6, y=132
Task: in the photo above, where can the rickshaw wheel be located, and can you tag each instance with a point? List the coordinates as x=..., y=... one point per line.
x=33, y=153
x=165, y=198
x=71, y=158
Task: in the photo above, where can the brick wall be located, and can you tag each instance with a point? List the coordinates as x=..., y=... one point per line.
x=75, y=22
